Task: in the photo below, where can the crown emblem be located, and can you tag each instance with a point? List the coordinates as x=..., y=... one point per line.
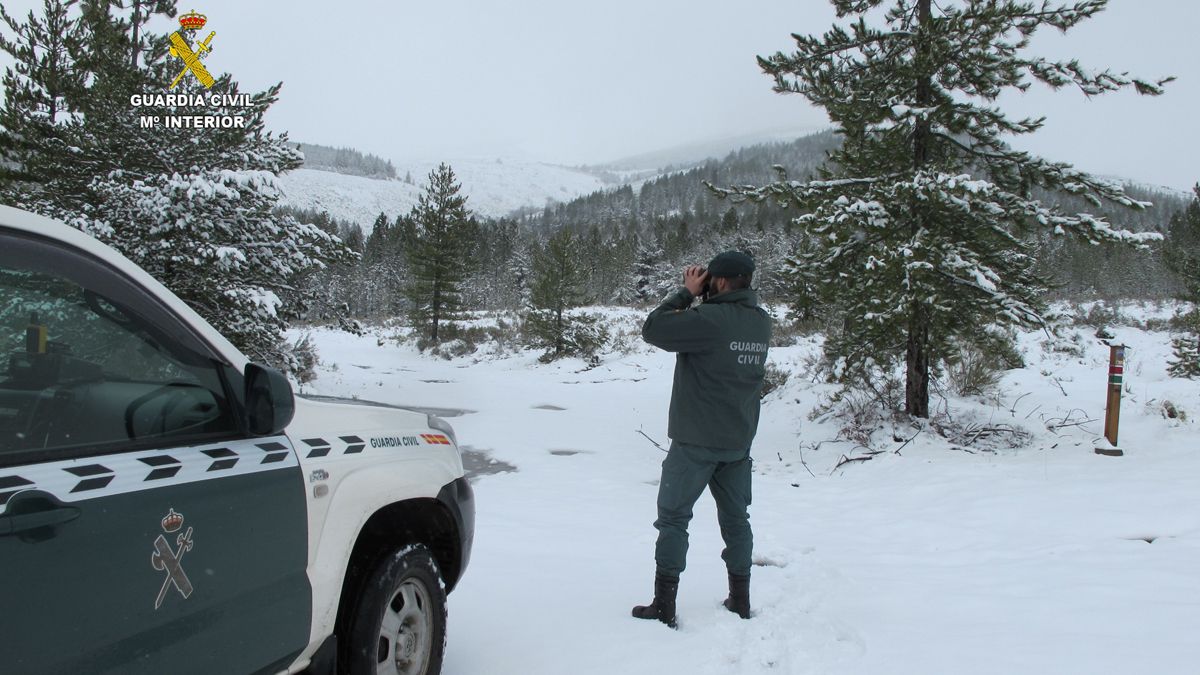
x=193, y=21
x=172, y=522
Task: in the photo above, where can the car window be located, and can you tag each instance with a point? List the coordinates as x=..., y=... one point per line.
x=81, y=371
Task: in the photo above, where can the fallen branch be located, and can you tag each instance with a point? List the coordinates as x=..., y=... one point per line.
x=652, y=440
x=1059, y=384
x=1013, y=410
x=1080, y=423
x=804, y=463
x=897, y=450
x=984, y=432
x=1053, y=424
x=817, y=446
x=848, y=460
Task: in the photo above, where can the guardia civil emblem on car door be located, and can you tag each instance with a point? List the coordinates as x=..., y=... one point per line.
x=170, y=560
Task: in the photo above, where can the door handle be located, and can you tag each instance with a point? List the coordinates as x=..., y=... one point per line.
x=34, y=510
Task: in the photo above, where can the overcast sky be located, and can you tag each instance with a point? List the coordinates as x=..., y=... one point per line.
x=574, y=83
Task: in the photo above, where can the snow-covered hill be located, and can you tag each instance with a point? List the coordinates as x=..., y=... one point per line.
x=693, y=154
x=494, y=188
x=350, y=198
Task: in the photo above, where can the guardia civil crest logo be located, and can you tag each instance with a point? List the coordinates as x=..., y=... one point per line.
x=169, y=559
x=190, y=52
x=185, y=110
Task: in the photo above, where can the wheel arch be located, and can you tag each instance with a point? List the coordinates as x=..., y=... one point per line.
x=424, y=521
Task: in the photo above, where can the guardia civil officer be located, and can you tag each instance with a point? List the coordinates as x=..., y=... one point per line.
x=721, y=347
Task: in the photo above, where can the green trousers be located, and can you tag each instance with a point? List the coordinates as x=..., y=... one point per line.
x=685, y=472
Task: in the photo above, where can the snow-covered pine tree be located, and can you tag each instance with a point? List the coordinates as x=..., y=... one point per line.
x=923, y=214
x=560, y=284
x=193, y=207
x=651, y=278
x=33, y=148
x=438, y=254
x=385, y=267
x=730, y=222
x=1183, y=257
x=495, y=280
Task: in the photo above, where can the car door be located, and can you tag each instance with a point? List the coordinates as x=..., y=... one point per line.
x=142, y=529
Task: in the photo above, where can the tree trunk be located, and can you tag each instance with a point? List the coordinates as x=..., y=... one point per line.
x=916, y=385
x=434, y=312
x=558, y=331
x=135, y=33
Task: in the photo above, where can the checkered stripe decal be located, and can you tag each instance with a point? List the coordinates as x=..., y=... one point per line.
x=74, y=480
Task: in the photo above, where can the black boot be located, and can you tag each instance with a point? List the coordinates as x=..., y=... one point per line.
x=663, y=607
x=738, y=601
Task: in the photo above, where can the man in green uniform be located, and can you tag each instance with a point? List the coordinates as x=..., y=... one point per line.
x=721, y=347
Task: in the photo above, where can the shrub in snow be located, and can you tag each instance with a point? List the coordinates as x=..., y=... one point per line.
x=862, y=411
x=459, y=339
x=581, y=335
x=1187, y=354
x=1172, y=412
x=975, y=369
x=775, y=378
x=558, y=286
x=304, y=352
x=967, y=430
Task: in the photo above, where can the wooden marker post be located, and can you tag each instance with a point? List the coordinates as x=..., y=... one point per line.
x=1112, y=410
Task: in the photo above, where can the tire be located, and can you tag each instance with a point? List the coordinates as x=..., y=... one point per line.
x=399, y=626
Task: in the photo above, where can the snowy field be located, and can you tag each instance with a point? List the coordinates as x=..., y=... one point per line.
x=941, y=558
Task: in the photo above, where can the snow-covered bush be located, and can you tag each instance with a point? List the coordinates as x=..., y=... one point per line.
x=861, y=412
x=967, y=430
x=305, y=359
x=775, y=378
x=975, y=369
x=1171, y=411
x=584, y=334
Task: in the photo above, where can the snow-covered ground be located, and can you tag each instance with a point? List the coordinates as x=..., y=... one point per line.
x=493, y=188
x=1046, y=558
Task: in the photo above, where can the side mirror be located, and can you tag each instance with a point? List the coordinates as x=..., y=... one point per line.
x=269, y=401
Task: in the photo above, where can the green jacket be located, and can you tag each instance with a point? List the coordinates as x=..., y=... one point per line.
x=722, y=353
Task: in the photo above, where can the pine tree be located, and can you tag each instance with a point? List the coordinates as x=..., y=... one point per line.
x=923, y=215
x=730, y=222
x=495, y=279
x=559, y=285
x=1183, y=257
x=37, y=90
x=651, y=278
x=438, y=253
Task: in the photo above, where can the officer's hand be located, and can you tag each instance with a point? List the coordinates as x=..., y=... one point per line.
x=694, y=277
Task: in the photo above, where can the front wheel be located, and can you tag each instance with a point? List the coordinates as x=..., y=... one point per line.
x=400, y=625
